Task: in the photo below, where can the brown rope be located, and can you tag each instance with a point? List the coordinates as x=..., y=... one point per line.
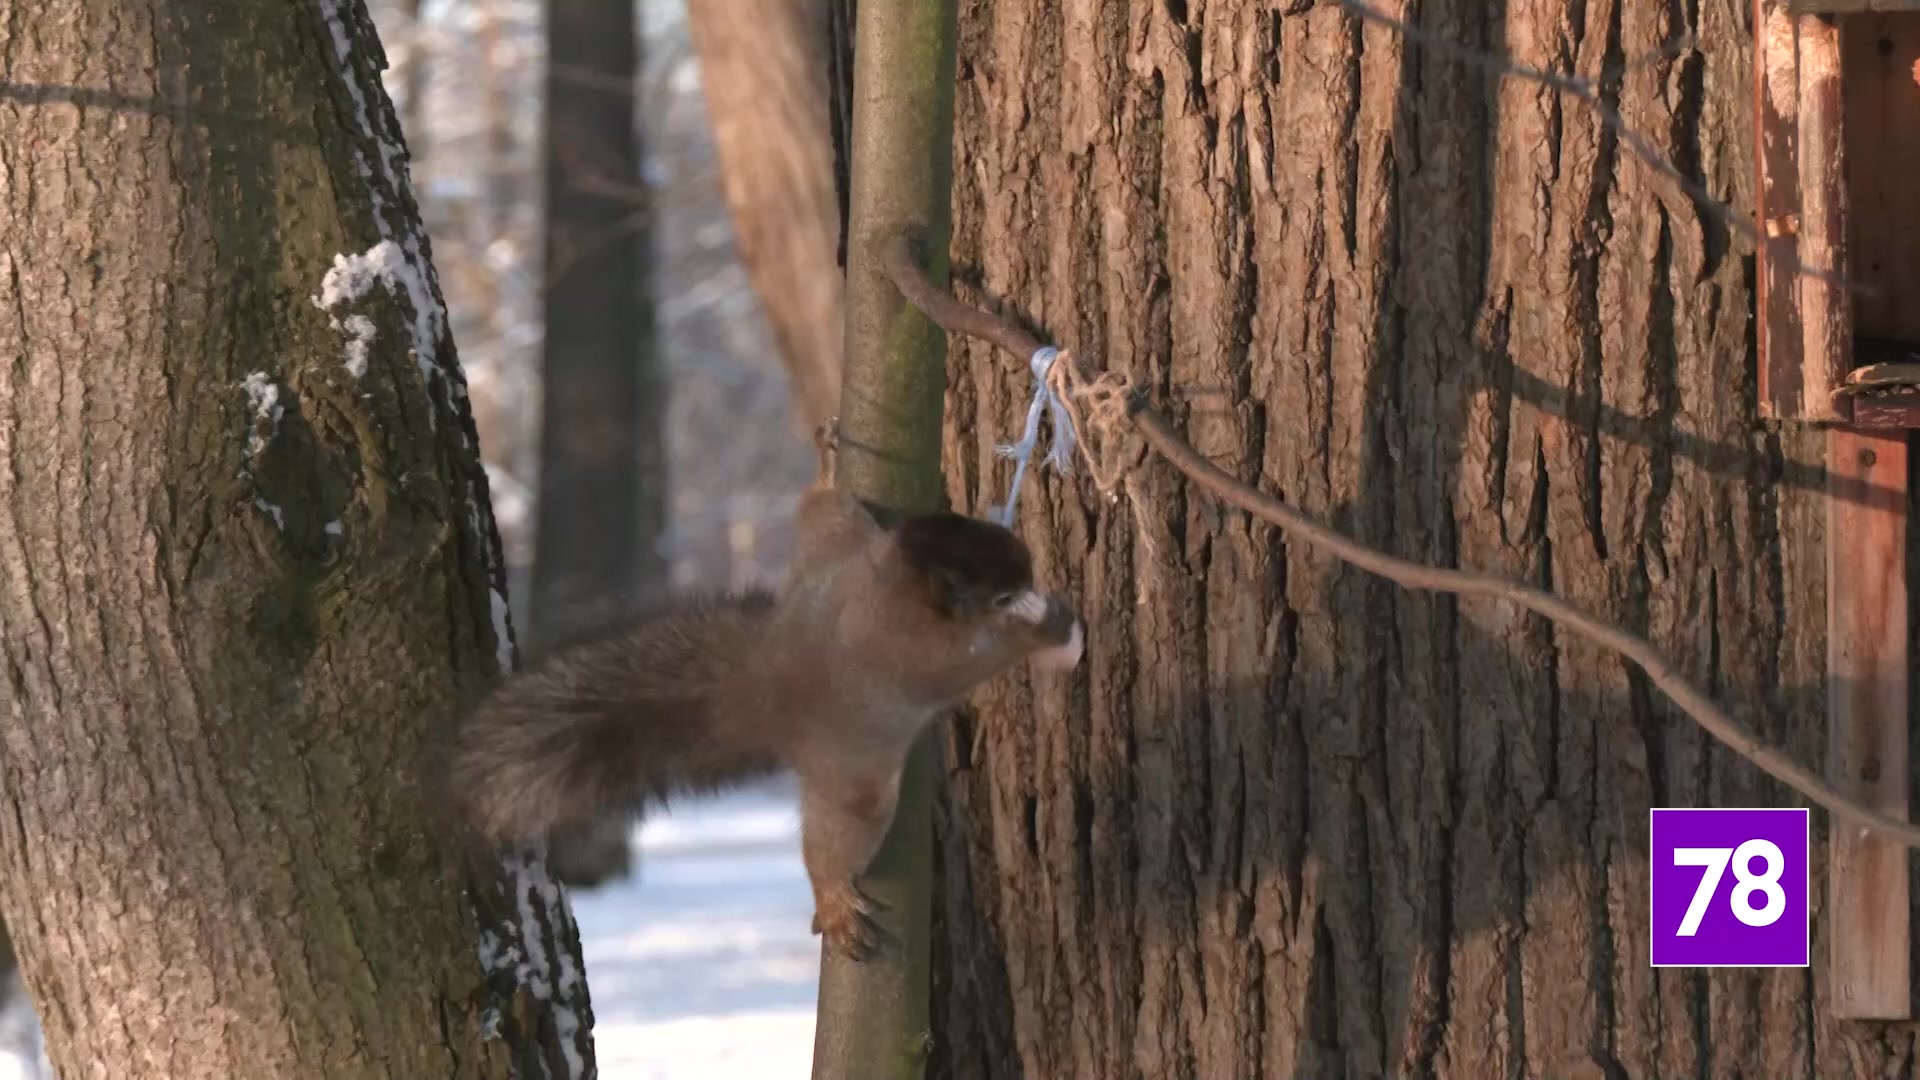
x=1101, y=428
x=1114, y=414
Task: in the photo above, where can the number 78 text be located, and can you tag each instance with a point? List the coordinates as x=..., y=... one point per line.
x=1746, y=883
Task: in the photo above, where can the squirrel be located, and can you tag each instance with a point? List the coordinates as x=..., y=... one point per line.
x=876, y=633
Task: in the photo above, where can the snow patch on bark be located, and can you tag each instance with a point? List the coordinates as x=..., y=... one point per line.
x=405, y=268
x=545, y=922
x=502, y=631
x=352, y=277
x=264, y=398
x=543, y=915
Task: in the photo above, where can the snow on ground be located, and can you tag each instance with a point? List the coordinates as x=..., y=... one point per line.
x=701, y=966
x=22, y=1057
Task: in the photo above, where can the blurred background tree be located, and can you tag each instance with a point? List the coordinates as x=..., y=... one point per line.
x=766, y=69
x=650, y=439
x=473, y=74
x=602, y=474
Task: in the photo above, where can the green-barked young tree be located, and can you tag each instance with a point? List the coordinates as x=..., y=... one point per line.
x=247, y=570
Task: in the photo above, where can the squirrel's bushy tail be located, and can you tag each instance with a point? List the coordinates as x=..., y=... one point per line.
x=611, y=722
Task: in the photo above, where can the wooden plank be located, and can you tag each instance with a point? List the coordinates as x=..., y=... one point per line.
x=1826, y=313
x=1887, y=406
x=1867, y=718
x=1881, y=58
x=1804, y=323
x=1866, y=535
x=1777, y=192
x=1901, y=410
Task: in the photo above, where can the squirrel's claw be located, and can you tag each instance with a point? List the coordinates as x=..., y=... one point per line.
x=843, y=916
x=826, y=440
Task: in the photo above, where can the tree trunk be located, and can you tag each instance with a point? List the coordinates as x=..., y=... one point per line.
x=603, y=471
x=247, y=568
x=765, y=69
x=602, y=499
x=1290, y=821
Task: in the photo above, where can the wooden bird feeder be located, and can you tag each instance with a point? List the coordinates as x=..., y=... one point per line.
x=1837, y=150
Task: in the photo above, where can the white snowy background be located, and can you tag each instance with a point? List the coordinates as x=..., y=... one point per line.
x=702, y=966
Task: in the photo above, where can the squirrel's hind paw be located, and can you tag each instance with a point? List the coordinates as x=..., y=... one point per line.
x=843, y=916
x=826, y=440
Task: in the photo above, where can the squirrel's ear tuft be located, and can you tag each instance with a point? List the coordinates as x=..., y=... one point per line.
x=965, y=562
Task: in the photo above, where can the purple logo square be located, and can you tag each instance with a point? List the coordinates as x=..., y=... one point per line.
x=1729, y=888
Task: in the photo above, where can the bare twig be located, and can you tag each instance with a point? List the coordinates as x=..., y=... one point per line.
x=897, y=257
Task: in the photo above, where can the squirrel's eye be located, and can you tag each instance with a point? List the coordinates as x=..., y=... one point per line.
x=1005, y=599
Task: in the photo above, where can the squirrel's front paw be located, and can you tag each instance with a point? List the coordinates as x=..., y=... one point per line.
x=843, y=916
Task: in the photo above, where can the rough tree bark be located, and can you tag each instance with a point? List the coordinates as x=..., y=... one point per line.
x=247, y=567
x=1292, y=822
x=603, y=468
x=764, y=70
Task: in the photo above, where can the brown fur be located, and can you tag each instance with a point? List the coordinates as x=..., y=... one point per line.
x=875, y=634
x=609, y=722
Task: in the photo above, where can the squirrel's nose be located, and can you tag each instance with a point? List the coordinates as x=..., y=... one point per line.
x=1064, y=656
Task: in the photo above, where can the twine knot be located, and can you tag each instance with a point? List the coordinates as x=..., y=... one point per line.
x=1045, y=400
